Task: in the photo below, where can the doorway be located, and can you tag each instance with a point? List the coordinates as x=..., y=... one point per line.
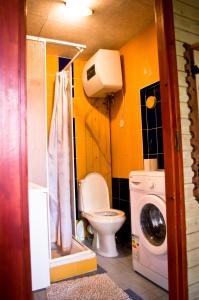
x=173, y=162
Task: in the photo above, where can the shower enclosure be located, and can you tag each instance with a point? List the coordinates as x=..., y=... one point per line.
x=81, y=259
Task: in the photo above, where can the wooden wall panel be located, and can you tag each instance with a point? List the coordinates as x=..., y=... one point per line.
x=15, y=275
x=186, y=13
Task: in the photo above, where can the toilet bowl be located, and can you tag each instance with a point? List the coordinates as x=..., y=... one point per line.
x=94, y=205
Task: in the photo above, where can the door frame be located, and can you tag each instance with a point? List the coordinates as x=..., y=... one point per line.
x=15, y=271
x=16, y=191
x=174, y=180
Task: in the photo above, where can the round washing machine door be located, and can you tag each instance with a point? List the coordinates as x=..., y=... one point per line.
x=151, y=224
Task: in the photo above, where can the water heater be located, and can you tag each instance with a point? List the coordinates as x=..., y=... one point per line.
x=102, y=74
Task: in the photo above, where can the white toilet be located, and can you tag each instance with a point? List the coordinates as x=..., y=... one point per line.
x=94, y=205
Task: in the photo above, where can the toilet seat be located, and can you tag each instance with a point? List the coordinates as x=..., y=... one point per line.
x=104, y=215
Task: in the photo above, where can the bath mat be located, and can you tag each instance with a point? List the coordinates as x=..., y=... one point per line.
x=96, y=287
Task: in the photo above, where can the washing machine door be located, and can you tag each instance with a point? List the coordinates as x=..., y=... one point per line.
x=151, y=224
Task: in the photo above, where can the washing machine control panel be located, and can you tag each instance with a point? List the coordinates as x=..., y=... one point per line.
x=155, y=184
x=151, y=184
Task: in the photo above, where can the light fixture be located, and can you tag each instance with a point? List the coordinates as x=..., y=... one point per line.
x=77, y=8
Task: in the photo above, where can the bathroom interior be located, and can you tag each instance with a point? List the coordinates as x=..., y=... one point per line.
x=110, y=136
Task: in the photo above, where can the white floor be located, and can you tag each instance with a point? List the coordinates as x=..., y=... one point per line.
x=120, y=271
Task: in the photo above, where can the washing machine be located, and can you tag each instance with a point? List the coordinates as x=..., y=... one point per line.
x=148, y=223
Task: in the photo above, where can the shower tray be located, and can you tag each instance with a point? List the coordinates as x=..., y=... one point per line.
x=81, y=260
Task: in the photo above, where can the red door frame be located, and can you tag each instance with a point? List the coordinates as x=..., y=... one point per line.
x=176, y=228
x=15, y=272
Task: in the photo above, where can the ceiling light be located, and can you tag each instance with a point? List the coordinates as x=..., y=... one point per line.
x=76, y=8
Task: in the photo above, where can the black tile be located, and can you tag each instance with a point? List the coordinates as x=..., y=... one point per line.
x=74, y=138
x=151, y=118
x=146, y=156
x=124, y=234
x=157, y=91
x=143, y=114
x=116, y=203
x=145, y=142
x=160, y=161
x=63, y=62
x=75, y=166
x=124, y=189
x=74, y=128
x=158, y=114
x=115, y=187
x=76, y=197
x=142, y=97
x=160, y=140
x=152, y=141
x=125, y=207
x=152, y=156
x=74, y=148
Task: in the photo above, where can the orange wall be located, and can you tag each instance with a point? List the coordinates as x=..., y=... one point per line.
x=140, y=58
x=51, y=69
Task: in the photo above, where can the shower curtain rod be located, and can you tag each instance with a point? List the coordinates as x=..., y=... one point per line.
x=79, y=47
x=65, y=43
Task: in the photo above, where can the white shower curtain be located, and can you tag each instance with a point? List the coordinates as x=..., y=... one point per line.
x=59, y=166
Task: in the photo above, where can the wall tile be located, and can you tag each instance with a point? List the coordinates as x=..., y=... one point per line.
x=161, y=161
x=160, y=140
x=152, y=125
x=125, y=206
x=151, y=118
x=116, y=203
x=144, y=117
x=152, y=141
x=157, y=91
x=123, y=236
x=155, y=155
x=120, y=191
x=145, y=143
x=115, y=188
x=63, y=62
x=124, y=189
x=158, y=114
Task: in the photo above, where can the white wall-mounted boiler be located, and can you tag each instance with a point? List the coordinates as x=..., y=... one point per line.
x=102, y=74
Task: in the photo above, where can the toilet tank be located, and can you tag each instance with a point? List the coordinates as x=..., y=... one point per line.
x=102, y=74
x=93, y=193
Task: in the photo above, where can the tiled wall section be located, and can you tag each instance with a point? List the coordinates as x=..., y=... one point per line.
x=152, y=125
x=121, y=200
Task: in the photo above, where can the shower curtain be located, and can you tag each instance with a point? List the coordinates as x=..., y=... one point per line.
x=59, y=166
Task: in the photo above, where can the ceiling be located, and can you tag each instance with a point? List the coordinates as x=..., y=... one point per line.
x=113, y=23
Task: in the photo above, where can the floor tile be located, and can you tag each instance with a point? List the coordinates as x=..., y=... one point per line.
x=120, y=270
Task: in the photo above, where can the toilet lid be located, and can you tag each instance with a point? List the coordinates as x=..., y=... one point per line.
x=95, y=195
